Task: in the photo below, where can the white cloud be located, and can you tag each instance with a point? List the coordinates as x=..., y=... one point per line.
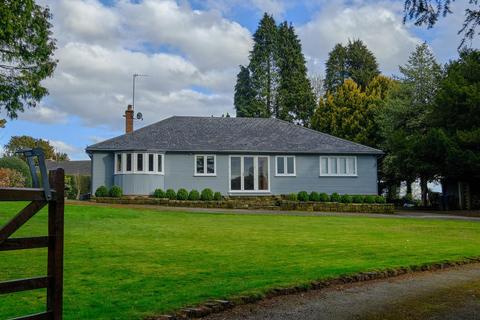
x=64, y=147
x=378, y=25
x=43, y=114
x=273, y=7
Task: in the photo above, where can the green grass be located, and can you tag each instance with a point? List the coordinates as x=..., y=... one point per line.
x=129, y=263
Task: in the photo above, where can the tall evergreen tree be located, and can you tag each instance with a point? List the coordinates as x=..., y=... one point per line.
x=244, y=98
x=295, y=98
x=263, y=65
x=353, y=61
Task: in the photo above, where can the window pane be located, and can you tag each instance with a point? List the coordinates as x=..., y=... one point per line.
x=200, y=164
x=211, y=164
x=343, y=166
x=290, y=165
x=119, y=162
x=324, y=165
x=351, y=166
x=150, y=162
x=129, y=162
x=248, y=173
x=332, y=165
x=280, y=165
x=262, y=173
x=235, y=173
x=139, y=162
x=160, y=163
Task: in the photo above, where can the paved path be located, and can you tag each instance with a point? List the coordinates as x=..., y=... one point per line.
x=468, y=216
x=449, y=294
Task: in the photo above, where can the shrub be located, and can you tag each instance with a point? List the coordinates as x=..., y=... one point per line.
x=302, y=196
x=380, y=199
x=346, y=198
x=335, y=197
x=358, y=198
x=116, y=192
x=207, y=194
x=324, y=197
x=314, y=196
x=71, y=189
x=194, y=195
x=217, y=196
x=159, y=193
x=170, y=194
x=19, y=165
x=182, y=194
x=369, y=199
x=101, y=191
x=11, y=178
x=292, y=197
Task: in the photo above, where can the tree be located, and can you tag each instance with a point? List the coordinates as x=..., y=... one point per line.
x=317, y=86
x=26, y=54
x=263, y=66
x=295, y=98
x=244, y=97
x=427, y=12
x=353, y=61
x=456, y=115
x=350, y=112
x=23, y=142
x=403, y=121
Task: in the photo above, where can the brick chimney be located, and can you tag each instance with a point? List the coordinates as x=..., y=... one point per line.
x=129, y=119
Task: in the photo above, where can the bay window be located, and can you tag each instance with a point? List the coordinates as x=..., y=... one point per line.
x=138, y=162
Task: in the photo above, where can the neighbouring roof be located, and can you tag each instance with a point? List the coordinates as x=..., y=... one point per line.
x=214, y=134
x=74, y=167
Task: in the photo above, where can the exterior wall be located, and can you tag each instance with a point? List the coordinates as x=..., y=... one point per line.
x=139, y=184
x=102, y=170
x=179, y=173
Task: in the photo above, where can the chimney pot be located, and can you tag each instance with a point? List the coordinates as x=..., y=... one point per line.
x=129, y=119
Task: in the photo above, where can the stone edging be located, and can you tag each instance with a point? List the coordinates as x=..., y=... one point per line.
x=215, y=306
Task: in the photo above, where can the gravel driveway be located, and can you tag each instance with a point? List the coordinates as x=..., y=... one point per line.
x=447, y=294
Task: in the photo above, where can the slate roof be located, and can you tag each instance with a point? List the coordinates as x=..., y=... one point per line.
x=74, y=167
x=214, y=134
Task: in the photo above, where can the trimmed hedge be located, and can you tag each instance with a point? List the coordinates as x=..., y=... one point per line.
x=182, y=194
x=302, y=196
x=207, y=194
x=358, y=198
x=170, y=194
x=194, y=195
x=217, y=196
x=346, y=198
x=292, y=197
x=380, y=199
x=115, y=192
x=101, y=191
x=335, y=197
x=314, y=196
x=19, y=165
x=370, y=199
x=324, y=197
x=159, y=193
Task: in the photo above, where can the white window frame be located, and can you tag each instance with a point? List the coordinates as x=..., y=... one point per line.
x=285, y=173
x=255, y=174
x=204, y=174
x=134, y=163
x=338, y=174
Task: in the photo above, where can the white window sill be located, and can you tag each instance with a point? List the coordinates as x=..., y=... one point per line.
x=249, y=191
x=339, y=175
x=140, y=172
x=285, y=175
x=205, y=175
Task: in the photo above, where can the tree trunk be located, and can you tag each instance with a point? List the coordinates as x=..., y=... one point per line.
x=424, y=189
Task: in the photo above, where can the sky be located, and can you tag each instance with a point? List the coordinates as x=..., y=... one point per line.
x=191, y=52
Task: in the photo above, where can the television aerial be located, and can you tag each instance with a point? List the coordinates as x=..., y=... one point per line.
x=134, y=77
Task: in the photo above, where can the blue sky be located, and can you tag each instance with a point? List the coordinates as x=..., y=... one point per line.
x=191, y=51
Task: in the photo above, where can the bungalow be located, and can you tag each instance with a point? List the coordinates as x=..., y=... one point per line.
x=236, y=156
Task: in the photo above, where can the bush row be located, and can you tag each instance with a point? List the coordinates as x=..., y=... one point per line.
x=115, y=192
x=182, y=194
x=335, y=197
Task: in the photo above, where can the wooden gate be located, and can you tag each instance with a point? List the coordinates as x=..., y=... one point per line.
x=53, y=282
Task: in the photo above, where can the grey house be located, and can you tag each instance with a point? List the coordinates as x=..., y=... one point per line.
x=236, y=156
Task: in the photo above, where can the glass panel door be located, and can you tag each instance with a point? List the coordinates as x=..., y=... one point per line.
x=248, y=173
x=262, y=173
x=235, y=173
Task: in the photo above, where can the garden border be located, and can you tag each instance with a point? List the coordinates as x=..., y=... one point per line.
x=216, y=306
x=257, y=203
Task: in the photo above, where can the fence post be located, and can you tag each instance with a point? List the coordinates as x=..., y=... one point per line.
x=55, y=245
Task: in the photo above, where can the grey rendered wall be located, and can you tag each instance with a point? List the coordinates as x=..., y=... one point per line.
x=179, y=173
x=308, y=178
x=139, y=184
x=102, y=170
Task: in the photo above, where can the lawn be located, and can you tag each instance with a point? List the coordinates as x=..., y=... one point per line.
x=128, y=263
